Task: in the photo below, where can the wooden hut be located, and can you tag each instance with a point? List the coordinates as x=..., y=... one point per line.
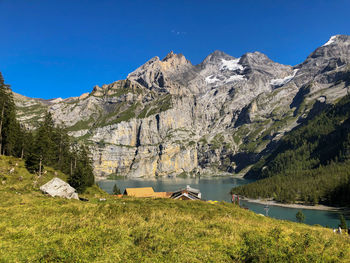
x=188, y=193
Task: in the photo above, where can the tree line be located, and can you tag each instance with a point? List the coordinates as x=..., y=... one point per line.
x=311, y=163
x=48, y=145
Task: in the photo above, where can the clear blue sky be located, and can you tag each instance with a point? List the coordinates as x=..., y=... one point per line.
x=62, y=48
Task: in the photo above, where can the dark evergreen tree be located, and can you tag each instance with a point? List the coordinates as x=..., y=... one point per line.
x=300, y=216
x=24, y=142
x=77, y=180
x=342, y=220
x=33, y=162
x=44, y=143
x=3, y=101
x=10, y=129
x=82, y=175
x=43, y=149
x=116, y=190
x=65, y=152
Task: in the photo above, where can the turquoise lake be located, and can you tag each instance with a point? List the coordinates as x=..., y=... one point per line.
x=218, y=188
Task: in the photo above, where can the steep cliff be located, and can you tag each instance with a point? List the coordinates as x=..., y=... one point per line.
x=170, y=117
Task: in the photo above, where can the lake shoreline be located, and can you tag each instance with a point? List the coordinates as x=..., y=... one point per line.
x=203, y=176
x=219, y=188
x=296, y=206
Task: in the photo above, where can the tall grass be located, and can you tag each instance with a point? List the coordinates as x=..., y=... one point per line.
x=37, y=228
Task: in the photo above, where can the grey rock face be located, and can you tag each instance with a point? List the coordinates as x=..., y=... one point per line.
x=57, y=187
x=171, y=117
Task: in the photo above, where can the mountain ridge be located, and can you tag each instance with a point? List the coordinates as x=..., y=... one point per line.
x=170, y=117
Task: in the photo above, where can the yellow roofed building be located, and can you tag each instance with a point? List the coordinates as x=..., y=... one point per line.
x=145, y=192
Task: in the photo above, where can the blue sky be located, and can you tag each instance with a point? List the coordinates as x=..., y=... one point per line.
x=63, y=48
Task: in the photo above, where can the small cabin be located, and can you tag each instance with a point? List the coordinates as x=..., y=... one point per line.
x=188, y=193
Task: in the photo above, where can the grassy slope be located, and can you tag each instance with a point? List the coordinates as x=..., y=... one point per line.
x=38, y=228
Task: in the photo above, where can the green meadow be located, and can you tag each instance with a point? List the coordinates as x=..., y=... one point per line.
x=38, y=228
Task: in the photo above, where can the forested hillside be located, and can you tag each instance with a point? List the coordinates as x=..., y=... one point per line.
x=311, y=164
x=49, y=145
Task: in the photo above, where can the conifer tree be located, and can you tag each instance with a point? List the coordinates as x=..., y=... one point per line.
x=44, y=140
x=10, y=130
x=82, y=175
x=24, y=141
x=63, y=154
x=342, y=220
x=32, y=162
x=42, y=151
x=3, y=99
x=300, y=216
x=116, y=190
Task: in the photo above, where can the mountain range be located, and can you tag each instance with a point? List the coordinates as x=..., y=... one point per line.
x=169, y=117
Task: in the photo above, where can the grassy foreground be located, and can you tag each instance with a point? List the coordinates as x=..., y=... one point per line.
x=37, y=228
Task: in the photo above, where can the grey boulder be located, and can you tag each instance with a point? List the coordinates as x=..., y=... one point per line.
x=58, y=187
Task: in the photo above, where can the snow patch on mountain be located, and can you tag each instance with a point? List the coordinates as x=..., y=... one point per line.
x=220, y=79
x=211, y=79
x=281, y=82
x=231, y=64
x=235, y=78
x=330, y=41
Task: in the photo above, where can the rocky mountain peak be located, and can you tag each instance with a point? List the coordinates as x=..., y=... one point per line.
x=150, y=63
x=173, y=61
x=257, y=62
x=216, y=57
x=337, y=39
x=326, y=64
x=170, y=55
x=156, y=74
x=337, y=46
x=254, y=58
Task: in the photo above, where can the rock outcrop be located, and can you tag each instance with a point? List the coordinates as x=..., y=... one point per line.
x=171, y=117
x=58, y=187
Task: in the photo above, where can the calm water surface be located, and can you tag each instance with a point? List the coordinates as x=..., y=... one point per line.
x=218, y=188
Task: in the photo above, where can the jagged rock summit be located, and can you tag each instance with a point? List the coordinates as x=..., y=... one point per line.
x=57, y=187
x=162, y=75
x=169, y=117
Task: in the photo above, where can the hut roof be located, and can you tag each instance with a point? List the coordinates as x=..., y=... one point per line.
x=186, y=195
x=145, y=192
x=140, y=192
x=189, y=189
